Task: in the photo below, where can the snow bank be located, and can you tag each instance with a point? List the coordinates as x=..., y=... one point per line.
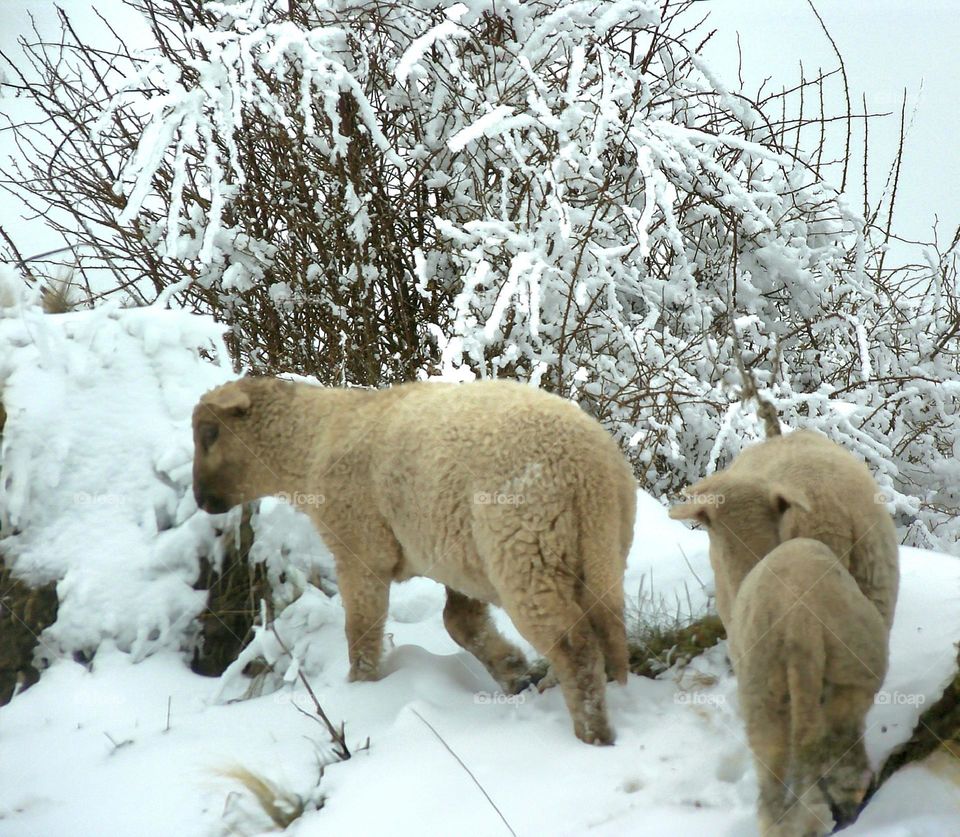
x=139, y=748
x=95, y=468
x=95, y=477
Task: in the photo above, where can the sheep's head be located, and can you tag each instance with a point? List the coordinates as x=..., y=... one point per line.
x=745, y=518
x=232, y=463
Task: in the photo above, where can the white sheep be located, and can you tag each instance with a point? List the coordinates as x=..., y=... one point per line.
x=501, y=492
x=798, y=485
x=810, y=652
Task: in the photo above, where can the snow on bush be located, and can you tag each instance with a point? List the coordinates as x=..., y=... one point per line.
x=96, y=468
x=561, y=192
x=96, y=474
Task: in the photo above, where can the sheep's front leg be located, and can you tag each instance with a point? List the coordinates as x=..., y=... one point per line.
x=366, y=598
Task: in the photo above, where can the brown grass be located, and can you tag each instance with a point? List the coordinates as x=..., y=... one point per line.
x=24, y=614
x=282, y=808
x=236, y=591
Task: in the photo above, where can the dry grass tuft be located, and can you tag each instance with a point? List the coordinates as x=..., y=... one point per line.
x=661, y=635
x=281, y=807
x=59, y=297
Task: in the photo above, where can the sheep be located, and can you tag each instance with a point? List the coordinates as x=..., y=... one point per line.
x=810, y=653
x=798, y=485
x=501, y=492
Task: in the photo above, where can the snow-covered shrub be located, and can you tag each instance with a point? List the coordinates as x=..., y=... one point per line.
x=96, y=476
x=557, y=191
x=95, y=469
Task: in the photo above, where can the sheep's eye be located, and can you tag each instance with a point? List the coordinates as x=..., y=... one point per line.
x=208, y=435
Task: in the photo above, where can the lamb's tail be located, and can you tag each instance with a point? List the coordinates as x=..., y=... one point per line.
x=805, y=663
x=603, y=553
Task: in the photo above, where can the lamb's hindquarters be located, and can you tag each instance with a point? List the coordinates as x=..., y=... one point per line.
x=810, y=654
x=566, y=600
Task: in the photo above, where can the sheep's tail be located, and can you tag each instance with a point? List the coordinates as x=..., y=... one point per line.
x=765, y=409
x=806, y=664
x=604, y=553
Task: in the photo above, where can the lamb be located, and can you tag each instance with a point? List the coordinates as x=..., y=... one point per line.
x=810, y=654
x=505, y=494
x=798, y=485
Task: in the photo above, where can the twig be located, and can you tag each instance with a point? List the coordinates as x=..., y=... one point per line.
x=116, y=745
x=765, y=409
x=693, y=572
x=467, y=769
x=341, y=749
x=21, y=262
x=846, y=93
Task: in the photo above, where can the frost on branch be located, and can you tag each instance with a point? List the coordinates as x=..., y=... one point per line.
x=562, y=192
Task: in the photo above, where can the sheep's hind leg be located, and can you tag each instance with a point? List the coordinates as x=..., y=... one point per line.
x=468, y=623
x=847, y=773
x=770, y=744
x=559, y=629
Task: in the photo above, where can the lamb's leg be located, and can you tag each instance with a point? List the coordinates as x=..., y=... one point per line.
x=789, y=804
x=844, y=759
x=366, y=598
x=559, y=629
x=770, y=744
x=468, y=623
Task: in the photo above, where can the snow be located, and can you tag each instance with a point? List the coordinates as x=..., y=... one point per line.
x=494, y=122
x=97, y=459
x=134, y=743
x=419, y=47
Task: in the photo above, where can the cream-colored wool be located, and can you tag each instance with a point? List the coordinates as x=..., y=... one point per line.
x=810, y=653
x=799, y=485
x=503, y=493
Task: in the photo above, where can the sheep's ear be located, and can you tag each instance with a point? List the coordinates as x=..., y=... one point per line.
x=689, y=511
x=230, y=400
x=708, y=485
x=784, y=497
x=702, y=495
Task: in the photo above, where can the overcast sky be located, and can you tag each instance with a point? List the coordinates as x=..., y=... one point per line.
x=888, y=46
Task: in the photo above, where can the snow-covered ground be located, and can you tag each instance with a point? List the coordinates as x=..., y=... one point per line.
x=135, y=744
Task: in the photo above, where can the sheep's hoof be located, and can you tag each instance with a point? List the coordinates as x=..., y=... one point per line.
x=363, y=673
x=845, y=812
x=596, y=731
x=548, y=681
x=518, y=675
x=519, y=684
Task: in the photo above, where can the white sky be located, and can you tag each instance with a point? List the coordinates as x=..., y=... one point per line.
x=888, y=45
